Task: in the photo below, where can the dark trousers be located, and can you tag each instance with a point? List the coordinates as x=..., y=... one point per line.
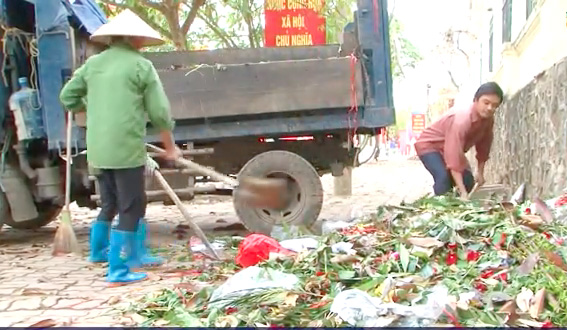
x=442, y=177
x=122, y=192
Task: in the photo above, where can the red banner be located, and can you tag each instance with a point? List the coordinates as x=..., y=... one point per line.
x=417, y=124
x=294, y=23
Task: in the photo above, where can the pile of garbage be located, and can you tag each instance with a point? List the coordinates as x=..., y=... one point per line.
x=439, y=261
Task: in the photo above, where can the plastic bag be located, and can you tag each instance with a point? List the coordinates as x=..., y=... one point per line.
x=358, y=308
x=250, y=280
x=256, y=248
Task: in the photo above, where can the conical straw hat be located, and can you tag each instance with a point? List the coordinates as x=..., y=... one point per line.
x=127, y=24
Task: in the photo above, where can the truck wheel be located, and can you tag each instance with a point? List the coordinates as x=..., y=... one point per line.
x=47, y=213
x=305, y=187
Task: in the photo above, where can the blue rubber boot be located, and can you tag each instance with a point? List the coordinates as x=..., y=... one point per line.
x=140, y=257
x=121, y=242
x=99, y=241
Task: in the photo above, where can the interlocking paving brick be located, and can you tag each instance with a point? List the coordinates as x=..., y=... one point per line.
x=33, y=303
x=9, y=318
x=50, y=301
x=68, y=303
x=90, y=304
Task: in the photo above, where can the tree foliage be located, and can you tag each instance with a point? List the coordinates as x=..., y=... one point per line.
x=171, y=18
x=404, y=54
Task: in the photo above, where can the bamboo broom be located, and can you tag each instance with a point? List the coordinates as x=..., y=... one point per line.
x=65, y=241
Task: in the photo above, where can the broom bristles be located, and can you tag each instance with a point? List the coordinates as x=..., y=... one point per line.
x=65, y=241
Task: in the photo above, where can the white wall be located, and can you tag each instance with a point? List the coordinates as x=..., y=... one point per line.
x=537, y=42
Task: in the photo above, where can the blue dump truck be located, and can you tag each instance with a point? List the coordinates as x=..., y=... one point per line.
x=288, y=112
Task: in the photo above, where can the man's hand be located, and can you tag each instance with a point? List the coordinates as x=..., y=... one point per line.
x=464, y=194
x=480, y=174
x=480, y=178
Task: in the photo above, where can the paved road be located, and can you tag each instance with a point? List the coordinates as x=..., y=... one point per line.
x=34, y=286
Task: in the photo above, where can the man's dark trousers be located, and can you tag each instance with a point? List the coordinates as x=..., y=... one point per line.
x=434, y=163
x=122, y=192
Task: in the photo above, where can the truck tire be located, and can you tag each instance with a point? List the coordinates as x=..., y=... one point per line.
x=305, y=185
x=47, y=213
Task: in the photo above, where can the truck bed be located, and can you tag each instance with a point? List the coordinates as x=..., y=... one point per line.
x=244, y=82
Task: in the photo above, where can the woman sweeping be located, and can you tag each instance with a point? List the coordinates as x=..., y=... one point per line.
x=120, y=88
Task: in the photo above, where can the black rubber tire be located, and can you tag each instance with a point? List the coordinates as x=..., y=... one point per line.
x=310, y=191
x=47, y=213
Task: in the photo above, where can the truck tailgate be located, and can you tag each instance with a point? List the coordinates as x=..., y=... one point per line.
x=227, y=90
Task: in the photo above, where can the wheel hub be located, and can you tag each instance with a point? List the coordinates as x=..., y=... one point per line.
x=294, y=203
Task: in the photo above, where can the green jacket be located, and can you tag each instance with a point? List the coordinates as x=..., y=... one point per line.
x=118, y=88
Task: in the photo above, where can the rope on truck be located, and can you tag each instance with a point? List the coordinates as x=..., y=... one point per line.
x=28, y=42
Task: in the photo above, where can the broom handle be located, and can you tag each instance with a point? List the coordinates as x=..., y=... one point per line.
x=177, y=201
x=70, y=127
x=201, y=169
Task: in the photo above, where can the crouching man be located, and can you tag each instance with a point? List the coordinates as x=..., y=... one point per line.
x=442, y=146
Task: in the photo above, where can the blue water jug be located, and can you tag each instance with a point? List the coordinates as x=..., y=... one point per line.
x=27, y=112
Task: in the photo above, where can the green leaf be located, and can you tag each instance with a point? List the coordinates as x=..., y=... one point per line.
x=371, y=284
x=182, y=318
x=413, y=264
x=404, y=257
x=346, y=274
x=426, y=271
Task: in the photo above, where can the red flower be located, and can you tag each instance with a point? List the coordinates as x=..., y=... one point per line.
x=547, y=324
x=502, y=241
x=452, y=246
x=319, y=304
x=319, y=273
x=395, y=256
x=503, y=277
x=230, y=310
x=452, y=258
x=547, y=235
x=473, y=255
x=487, y=274
x=561, y=201
x=528, y=211
x=480, y=286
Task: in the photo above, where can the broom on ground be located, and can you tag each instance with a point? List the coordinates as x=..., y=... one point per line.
x=65, y=241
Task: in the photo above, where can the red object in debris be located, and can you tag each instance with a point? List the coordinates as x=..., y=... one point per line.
x=501, y=242
x=231, y=310
x=528, y=211
x=547, y=235
x=318, y=304
x=487, y=274
x=473, y=255
x=256, y=248
x=561, y=201
x=452, y=258
x=480, y=286
x=503, y=277
x=547, y=324
x=452, y=246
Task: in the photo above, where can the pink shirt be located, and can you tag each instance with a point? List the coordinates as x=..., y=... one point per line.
x=454, y=134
